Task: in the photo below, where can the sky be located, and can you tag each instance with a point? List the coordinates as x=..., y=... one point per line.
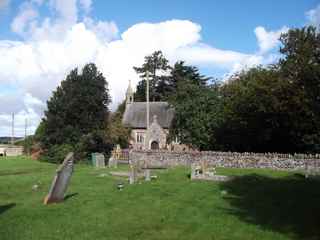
x=42, y=40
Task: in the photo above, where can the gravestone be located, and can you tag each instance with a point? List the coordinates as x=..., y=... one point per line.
x=99, y=160
x=61, y=181
x=115, y=155
x=195, y=170
x=203, y=172
x=147, y=175
x=113, y=162
x=133, y=175
x=312, y=168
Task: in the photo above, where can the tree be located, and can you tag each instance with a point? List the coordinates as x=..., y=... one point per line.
x=77, y=109
x=118, y=133
x=197, y=105
x=254, y=119
x=276, y=109
x=182, y=74
x=157, y=66
x=300, y=67
x=197, y=115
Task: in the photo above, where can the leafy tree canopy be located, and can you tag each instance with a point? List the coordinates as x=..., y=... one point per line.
x=156, y=66
x=78, y=108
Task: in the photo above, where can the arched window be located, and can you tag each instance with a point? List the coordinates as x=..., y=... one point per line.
x=154, y=145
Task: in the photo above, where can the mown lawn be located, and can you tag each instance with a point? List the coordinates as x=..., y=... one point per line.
x=257, y=204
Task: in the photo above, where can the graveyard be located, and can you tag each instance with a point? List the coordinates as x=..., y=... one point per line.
x=256, y=204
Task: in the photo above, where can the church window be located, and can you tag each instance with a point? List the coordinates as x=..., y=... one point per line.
x=140, y=137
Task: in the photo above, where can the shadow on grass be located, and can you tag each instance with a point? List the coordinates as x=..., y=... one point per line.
x=8, y=173
x=289, y=205
x=4, y=208
x=70, y=196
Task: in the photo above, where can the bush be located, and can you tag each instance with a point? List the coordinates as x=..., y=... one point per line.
x=57, y=153
x=93, y=142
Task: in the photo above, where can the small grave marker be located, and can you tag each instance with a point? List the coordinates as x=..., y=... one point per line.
x=147, y=175
x=98, y=160
x=203, y=172
x=133, y=175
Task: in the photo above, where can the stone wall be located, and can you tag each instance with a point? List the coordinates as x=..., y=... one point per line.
x=10, y=151
x=228, y=159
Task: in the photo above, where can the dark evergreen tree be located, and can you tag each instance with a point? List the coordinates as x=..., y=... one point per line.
x=157, y=66
x=198, y=114
x=181, y=74
x=78, y=109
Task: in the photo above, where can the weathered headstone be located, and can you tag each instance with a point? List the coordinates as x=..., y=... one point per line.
x=312, y=168
x=99, y=161
x=195, y=170
x=113, y=162
x=61, y=181
x=203, y=172
x=133, y=175
x=147, y=174
x=115, y=155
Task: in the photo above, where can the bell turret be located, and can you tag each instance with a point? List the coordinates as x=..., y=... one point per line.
x=129, y=94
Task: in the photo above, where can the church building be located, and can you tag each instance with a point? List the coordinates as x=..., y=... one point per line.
x=148, y=135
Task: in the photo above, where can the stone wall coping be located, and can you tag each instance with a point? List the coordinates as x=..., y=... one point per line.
x=232, y=154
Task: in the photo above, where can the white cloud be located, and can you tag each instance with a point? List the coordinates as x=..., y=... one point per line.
x=205, y=54
x=54, y=46
x=66, y=10
x=268, y=40
x=26, y=14
x=105, y=31
x=313, y=16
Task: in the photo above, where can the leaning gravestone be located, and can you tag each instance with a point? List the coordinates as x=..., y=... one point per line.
x=61, y=181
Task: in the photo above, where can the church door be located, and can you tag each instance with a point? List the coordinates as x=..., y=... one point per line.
x=155, y=145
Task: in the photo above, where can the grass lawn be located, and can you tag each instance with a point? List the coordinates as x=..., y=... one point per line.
x=258, y=204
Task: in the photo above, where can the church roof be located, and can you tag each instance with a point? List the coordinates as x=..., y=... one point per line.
x=136, y=113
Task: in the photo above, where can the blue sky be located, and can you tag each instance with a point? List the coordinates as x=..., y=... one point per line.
x=42, y=40
x=221, y=21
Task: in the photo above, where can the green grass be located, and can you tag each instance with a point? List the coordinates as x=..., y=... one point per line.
x=258, y=204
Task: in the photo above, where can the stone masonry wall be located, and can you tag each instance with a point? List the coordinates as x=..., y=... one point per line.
x=228, y=159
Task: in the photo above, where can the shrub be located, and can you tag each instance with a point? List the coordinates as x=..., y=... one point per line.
x=57, y=153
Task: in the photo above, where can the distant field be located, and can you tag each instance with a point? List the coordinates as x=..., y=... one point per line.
x=258, y=204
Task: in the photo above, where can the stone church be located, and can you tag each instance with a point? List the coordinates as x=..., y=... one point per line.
x=153, y=135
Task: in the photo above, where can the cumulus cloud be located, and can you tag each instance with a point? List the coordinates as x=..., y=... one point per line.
x=105, y=31
x=26, y=14
x=52, y=46
x=67, y=10
x=313, y=16
x=268, y=40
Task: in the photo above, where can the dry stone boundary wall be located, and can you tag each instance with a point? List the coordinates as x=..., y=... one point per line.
x=227, y=159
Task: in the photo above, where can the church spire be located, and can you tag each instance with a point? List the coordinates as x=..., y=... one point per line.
x=129, y=94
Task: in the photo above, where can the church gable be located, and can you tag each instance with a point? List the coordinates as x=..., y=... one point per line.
x=156, y=136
